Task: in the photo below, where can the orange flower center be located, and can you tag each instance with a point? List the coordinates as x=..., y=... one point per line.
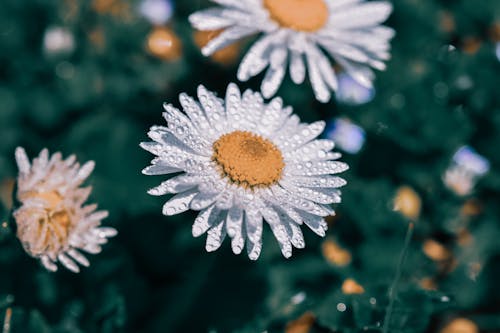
x=51, y=232
x=301, y=15
x=248, y=159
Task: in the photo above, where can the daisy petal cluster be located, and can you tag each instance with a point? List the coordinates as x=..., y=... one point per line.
x=302, y=35
x=242, y=163
x=53, y=224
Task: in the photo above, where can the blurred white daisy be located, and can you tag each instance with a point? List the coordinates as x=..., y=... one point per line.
x=299, y=33
x=242, y=162
x=52, y=223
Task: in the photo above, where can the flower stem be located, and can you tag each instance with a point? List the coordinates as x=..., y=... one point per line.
x=397, y=277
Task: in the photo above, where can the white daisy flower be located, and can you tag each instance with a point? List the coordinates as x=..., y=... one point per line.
x=52, y=223
x=300, y=32
x=241, y=162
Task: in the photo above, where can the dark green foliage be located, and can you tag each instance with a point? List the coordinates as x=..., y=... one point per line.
x=98, y=103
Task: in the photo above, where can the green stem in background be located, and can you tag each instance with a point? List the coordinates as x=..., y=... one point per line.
x=397, y=277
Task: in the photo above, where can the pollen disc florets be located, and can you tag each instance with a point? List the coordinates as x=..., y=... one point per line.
x=301, y=15
x=248, y=159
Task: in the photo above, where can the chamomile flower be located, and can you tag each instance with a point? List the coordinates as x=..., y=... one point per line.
x=302, y=35
x=53, y=225
x=241, y=162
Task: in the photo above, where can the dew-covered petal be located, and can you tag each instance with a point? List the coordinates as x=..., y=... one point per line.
x=234, y=221
x=214, y=109
x=205, y=219
x=279, y=231
x=285, y=197
x=316, y=223
x=301, y=137
x=179, y=203
x=215, y=236
x=315, y=168
x=309, y=194
x=203, y=200
x=253, y=224
x=194, y=112
x=317, y=181
x=176, y=184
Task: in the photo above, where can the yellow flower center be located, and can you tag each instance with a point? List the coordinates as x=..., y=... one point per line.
x=301, y=15
x=248, y=159
x=51, y=232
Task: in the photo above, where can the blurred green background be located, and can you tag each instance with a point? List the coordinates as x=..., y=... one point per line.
x=89, y=77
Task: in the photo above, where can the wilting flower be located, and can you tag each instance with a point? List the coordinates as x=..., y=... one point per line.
x=52, y=222
x=299, y=33
x=240, y=162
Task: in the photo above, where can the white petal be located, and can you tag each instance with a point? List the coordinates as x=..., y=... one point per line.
x=225, y=200
x=84, y=172
x=321, y=91
x=214, y=109
x=80, y=258
x=276, y=72
x=257, y=57
x=106, y=232
x=316, y=168
x=48, y=264
x=315, y=223
x=91, y=248
x=253, y=224
x=233, y=104
x=311, y=151
x=68, y=263
x=184, y=130
x=319, y=181
x=210, y=19
x=176, y=184
x=97, y=216
x=159, y=169
x=234, y=221
x=309, y=194
x=339, y=49
x=23, y=163
x=279, y=231
x=203, y=199
x=179, y=203
x=303, y=136
x=325, y=67
x=237, y=243
x=342, y=3
x=363, y=15
x=297, y=68
x=215, y=237
x=226, y=38
x=359, y=72
x=205, y=219
x=233, y=3
x=296, y=236
x=285, y=197
x=194, y=111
